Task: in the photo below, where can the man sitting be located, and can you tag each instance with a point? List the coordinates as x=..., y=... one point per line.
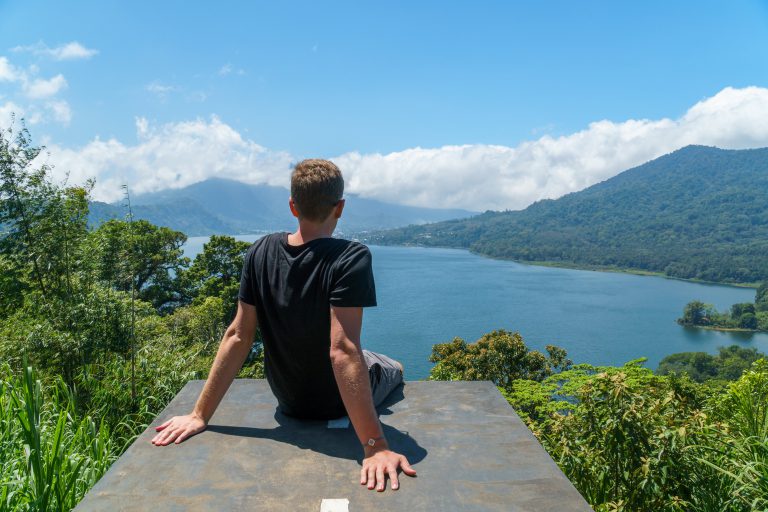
x=306, y=291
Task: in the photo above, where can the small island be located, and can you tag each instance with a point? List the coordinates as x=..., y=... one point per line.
x=745, y=316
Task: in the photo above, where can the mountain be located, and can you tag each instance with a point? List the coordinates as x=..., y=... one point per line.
x=697, y=213
x=217, y=206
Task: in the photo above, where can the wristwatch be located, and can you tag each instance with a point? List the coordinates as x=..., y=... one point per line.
x=372, y=441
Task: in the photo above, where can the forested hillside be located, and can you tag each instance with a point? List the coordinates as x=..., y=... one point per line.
x=697, y=213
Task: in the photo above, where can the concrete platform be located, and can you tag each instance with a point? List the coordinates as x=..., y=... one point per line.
x=470, y=449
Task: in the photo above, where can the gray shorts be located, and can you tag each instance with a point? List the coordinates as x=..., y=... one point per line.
x=384, y=373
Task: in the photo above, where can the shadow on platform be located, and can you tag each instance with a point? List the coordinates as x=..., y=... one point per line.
x=340, y=443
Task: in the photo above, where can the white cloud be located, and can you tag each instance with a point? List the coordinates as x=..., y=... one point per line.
x=61, y=111
x=42, y=88
x=37, y=95
x=8, y=72
x=476, y=177
x=159, y=89
x=69, y=51
x=481, y=177
x=171, y=156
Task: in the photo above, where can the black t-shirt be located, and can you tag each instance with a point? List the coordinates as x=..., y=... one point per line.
x=292, y=288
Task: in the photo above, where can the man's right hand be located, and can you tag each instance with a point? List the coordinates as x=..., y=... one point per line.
x=382, y=463
x=178, y=428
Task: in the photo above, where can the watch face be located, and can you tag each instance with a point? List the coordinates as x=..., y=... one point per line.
x=371, y=442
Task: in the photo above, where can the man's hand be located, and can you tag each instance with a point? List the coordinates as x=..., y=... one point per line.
x=178, y=428
x=233, y=350
x=377, y=465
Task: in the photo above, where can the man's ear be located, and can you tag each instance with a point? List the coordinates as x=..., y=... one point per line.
x=339, y=208
x=294, y=211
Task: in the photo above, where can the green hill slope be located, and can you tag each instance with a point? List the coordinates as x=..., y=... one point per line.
x=697, y=213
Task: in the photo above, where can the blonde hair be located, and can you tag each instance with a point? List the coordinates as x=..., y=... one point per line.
x=316, y=188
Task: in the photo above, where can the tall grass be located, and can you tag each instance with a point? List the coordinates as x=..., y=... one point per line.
x=49, y=457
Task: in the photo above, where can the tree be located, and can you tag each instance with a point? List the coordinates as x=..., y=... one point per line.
x=761, y=297
x=499, y=356
x=143, y=256
x=729, y=363
x=696, y=313
x=43, y=223
x=737, y=310
x=700, y=366
x=56, y=312
x=215, y=272
x=748, y=321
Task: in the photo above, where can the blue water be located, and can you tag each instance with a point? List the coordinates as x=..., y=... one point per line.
x=429, y=296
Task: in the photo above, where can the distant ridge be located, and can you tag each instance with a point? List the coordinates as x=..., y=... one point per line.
x=697, y=213
x=221, y=206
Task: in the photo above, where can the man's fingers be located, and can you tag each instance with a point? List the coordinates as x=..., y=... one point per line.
x=185, y=434
x=161, y=427
x=170, y=435
x=407, y=469
x=380, y=483
x=159, y=437
x=363, y=476
x=393, y=482
x=371, y=477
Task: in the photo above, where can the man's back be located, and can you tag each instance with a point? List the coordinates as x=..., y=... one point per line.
x=292, y=288
x=306, y=291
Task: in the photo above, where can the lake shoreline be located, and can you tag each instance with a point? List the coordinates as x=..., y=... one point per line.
x=724, y=329
x=577, y=266
x=551, y=264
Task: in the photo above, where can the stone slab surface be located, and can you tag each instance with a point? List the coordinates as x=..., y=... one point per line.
x=470, y=449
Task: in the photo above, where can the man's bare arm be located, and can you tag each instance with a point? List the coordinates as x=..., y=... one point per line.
x=233, y=350
x=354, y=386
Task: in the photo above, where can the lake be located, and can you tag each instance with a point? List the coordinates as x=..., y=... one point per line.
x=429, y=296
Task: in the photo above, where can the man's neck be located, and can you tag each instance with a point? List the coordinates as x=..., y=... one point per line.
x=309, y=231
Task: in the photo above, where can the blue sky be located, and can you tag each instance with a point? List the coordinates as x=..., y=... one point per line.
x=365, y=79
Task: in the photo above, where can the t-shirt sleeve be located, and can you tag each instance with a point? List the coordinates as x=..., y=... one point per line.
x=246, y=279
x=353, y=284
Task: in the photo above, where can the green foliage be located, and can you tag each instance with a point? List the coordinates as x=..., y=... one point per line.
x=697, y=213
x=626, y=444
x=762, y=320
x=742, y=456
x=61, y=337
x=44, y=224
x=761, y=297
x=630, y=440
x=499, y=356
x=49, y=456
x=141, y=256
x=729, y=364
x=745, y=315
x=105, y=357
x=698, y=313
x=215, y=272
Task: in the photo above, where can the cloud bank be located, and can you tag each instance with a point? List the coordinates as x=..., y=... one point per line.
x=170, y=156
x=476, y=177
x=484, y=177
